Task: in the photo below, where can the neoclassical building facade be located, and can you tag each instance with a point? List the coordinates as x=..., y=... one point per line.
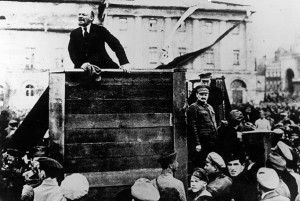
x=35, y=38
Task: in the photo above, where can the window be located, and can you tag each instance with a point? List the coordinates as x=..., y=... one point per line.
x=236, y=57
x=29, y=90
x=152, y=25
x=208, y=27
x=182, y=27
x=153, y=55
x=210, y=56
x=181, y=51
x=123, y=26
x=30, y=51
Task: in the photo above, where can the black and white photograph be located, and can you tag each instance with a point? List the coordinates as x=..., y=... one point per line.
x=149, y=100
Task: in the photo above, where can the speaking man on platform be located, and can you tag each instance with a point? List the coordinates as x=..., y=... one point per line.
x=87, y=44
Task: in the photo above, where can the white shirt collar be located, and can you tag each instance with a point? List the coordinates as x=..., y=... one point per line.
x=265, y=194
x=88, y=29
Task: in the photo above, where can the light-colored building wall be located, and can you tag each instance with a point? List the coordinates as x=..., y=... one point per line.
x=38, y=35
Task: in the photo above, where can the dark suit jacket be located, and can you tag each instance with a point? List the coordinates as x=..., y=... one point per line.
x=92, y=48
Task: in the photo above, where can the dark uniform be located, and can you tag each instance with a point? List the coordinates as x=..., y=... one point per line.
x=201, y=131
x=215, y=98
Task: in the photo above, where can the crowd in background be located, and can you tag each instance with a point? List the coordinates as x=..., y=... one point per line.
x=232, y=171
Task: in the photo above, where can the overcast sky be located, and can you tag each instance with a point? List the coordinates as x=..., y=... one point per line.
x=276, y=23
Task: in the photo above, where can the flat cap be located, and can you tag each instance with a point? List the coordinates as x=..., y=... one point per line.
x=216, y=159
x=200, y=174
x=143, y=189
x=205, y=75
x=275, y=161
x=268, y=178
x=75, y=186
x=168, y=158
x=202, y=88
x=283, y=150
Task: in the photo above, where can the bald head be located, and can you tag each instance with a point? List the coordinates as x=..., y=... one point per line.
x=85, y=16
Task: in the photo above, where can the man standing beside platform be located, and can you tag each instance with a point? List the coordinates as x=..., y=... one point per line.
x=202, y=131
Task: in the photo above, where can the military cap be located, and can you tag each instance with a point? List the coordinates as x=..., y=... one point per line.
x=236, y=155
x=75, y=186
x=167, y=159
x=205, y=75
x=144, y=190
x=284, y=150
x=200, y=174
x=267, y=178
x=275, y=161
x=202, y=88
x=216, y=159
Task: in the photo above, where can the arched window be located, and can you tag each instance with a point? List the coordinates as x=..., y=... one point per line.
x=238, y=87
x=29, y=90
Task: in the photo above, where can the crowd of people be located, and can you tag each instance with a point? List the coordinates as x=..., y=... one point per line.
x=223, y=164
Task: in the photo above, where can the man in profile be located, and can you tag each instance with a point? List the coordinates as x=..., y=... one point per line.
x=87, y=44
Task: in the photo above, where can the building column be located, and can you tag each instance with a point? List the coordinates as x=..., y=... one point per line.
x=196, y=43
x=138, y=43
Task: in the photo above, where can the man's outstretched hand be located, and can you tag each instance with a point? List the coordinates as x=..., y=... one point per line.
x=126, y=68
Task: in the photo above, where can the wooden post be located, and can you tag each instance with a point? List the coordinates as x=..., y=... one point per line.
x=180, y=133
x=57, y=115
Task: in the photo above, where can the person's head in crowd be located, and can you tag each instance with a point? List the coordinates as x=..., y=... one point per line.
x=75, y=187
x=235, y=164
x=262, y=114
x=143, y=190
x=202, y=93
x=284, y=116
x=214, y=163
x=276, y=162
x=295, y=130
x=199, y=180
x=47, y=167
x=267, y=180
x=235, y=117
x=205, y=78
x=268, y=113
x=169, y=161
x=12, y=157
x=283, y=150
x=248, y=109
x=85, y=16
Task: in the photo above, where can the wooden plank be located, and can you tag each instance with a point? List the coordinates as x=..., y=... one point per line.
x=118, y=106
x=74, y=121
x=99, y=91
x=119, y=78
x=56, y=115
x=116, y=149
x=110, y=164
x=180, y=132
x=119, y=178
x=118, y=135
